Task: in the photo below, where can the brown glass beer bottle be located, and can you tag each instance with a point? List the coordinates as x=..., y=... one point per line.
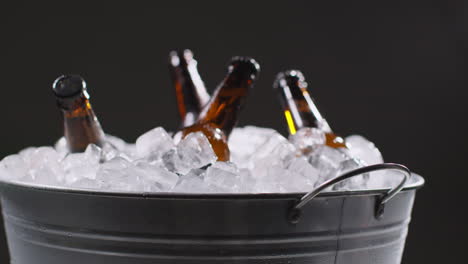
x=220, y=115
x=190, y=90
x=299, y=108
x=81, y=126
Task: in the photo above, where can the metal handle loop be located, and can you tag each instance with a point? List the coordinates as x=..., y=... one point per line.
x=295, y=212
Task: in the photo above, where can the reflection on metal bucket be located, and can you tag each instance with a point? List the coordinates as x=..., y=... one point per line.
x=53, y=226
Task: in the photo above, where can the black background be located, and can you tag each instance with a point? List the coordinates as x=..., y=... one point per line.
x=394, y=72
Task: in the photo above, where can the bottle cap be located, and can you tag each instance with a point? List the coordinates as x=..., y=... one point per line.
x=67, y=86
x=180, y=57
x=291, y=78
x=244, y=66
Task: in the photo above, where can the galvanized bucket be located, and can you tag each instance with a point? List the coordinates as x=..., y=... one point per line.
x=57, y=226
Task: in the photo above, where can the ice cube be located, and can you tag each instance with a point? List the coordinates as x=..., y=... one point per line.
x=61, y=147
x=109, y=152
x=243, y=142
x=269, y=180
x=270, y=156
x=27, y=153
x=93, y=154
x=164, y=179
x=177, y=137
x=301, y=166
x=86, y=183
x=279, y=179
x=269, y=144
x=224, y=176
x=361, y=148
x=308, y=138
x=82, y=165
x=112, y=169
x=327, y=161
x=355, y=182
x=114, y=175
x=113, y=147
x=45, y=166
x=119, y=174
x=194, y=151
x=384, y=179
x=118, y=147
x=192, y=182
x=154, y=142
x=74, y=166
x=247, y=181
x=275, y=149
x=13, y=168
x=295, y=182
x=117, y=142
x=169, y=160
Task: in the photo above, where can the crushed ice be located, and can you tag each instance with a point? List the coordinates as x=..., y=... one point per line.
x=262, y=161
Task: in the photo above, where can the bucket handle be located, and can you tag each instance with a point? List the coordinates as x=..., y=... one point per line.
x=295, y=212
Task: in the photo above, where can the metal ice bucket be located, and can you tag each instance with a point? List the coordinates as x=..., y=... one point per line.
x=57, y=226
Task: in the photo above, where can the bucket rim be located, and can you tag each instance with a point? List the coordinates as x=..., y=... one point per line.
x=416, y=183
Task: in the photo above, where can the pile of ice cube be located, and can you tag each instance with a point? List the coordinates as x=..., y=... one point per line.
x=262, y=161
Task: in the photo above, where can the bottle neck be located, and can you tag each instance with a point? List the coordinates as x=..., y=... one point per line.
x=223, y=109
x=191, y=93
x=198, y=85
x=300, y=111
x=81, y=126
x=215, y=136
